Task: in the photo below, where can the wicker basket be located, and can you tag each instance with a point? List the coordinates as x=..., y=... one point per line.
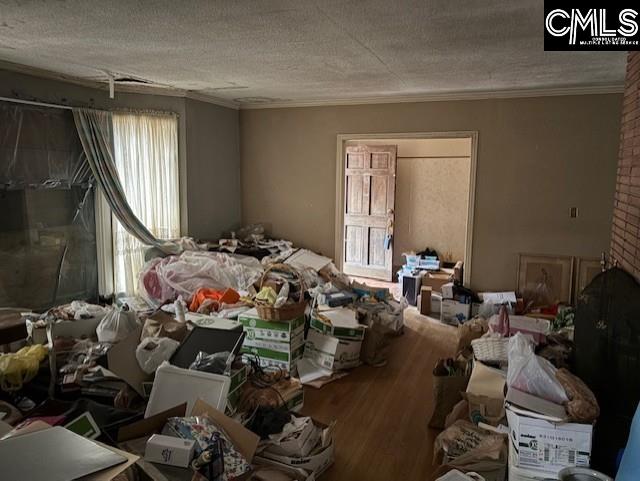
x=290, y=310
x=490, y=349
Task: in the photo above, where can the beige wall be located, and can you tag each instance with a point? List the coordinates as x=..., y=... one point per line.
x=537, y=157
x=213, y=169
x=431, y=206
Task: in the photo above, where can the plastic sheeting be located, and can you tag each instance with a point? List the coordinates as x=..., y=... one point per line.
x=47, y=221
x=40, y=148
x=163, y=280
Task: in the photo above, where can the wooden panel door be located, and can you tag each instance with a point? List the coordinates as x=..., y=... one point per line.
x=370, y=183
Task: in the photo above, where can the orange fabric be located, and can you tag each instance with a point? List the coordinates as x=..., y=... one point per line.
x=228, y=296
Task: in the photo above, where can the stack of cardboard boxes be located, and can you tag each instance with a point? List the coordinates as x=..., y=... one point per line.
x=334, y=339
x=276, y=343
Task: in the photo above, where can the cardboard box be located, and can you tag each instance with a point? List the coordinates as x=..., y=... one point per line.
x=62, y=328
x=331, y=352
x=233, y=401
x=284, y=356
x=436, y=303
x=447, y=290
x=238, y=377
x=287, y=347
x=435, y=280
x=317, y=463
x=169, y=450
x=425, y=300
x=318, y=460
x=545, y=446
x=296, y=474
x=282, y=331
x=299, y=442
x=279, y=364
x=453, y=312
x=245, y=441
x=521, y=474
x=295, y=400
x=133, y=436
x=537, y=328
x=346, y=333
x=122, y=361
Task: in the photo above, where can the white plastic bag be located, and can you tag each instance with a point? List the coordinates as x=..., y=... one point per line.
x=117, y=324
x=153, y=351
x=532, y=374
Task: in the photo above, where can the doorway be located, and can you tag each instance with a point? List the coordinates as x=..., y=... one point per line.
x=399, y=193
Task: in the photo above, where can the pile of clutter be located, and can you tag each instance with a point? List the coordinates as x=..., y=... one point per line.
x=508, y=403
x=204, y=371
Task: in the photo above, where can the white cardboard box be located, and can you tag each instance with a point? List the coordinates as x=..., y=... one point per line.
x=316, y=463
x=521, y=474
x=299, y=442
x=447, y=290
x=330, y=352
x=453, y=312
x=544, y=446
x=534, y=327
x=169, y=450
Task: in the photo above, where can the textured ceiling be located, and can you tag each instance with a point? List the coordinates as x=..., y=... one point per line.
x=300, y=50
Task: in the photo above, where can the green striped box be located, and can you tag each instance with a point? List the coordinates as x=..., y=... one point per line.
x=288, y=347
x=296, y=402
x=270, y=330
x=233, y=400
x=264, y=353
x=271, y=335
x=349, y=334
x=238, y=377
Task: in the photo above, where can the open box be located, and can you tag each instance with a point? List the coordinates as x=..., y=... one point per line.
x=317, y=462
x=133, y=437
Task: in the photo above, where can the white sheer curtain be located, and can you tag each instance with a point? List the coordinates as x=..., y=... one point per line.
x=146, y=157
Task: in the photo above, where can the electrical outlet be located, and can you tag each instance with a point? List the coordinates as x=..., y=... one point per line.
x=573, y=212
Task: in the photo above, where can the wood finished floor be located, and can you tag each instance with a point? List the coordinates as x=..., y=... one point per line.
x=382, y=413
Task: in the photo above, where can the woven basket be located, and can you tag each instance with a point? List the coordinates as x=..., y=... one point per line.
x=290, y=310
x=490, y=349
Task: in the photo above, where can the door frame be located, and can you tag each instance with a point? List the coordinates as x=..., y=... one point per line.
x=342, y=139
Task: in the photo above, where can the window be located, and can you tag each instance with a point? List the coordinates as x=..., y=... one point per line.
x=146, y=156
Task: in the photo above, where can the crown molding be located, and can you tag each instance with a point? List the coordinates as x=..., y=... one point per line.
x=444, y=96
x=390, y=99
x=230, y=104
x=143, y=89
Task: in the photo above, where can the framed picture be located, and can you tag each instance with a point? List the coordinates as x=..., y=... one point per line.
x=586, y=270
x=545, y=279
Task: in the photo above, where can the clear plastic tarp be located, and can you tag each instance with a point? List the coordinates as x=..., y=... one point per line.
x=47, y=221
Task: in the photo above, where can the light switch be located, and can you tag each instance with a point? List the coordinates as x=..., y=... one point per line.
x=573, y=212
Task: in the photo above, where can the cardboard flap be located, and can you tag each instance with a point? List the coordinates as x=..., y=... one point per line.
x=150, y=425
x=244, y=440
x=123, y=363
x=486, y=381
x=534, y=406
